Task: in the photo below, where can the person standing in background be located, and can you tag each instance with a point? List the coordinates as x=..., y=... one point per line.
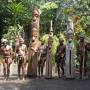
x=60, y=57
x=6, y=51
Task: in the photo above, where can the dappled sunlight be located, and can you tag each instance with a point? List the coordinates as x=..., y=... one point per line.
x=63, y=63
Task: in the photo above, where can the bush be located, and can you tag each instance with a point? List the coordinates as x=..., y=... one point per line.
x=54, y=45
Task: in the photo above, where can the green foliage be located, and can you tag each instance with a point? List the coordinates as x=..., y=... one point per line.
x=49, y=6
x=13, y=33
x=19, y=11
x=55, y=42
x=54, y=45
x=54, y=48
x=15, y=8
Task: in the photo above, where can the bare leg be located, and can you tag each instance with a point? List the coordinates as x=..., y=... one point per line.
x=85, y=66
x=80, y=69
x=58, y=67
x=39, y=69
x=62, y=70
x=8, y=70
x=23, y=71
x=4, y=69
x=19, y=69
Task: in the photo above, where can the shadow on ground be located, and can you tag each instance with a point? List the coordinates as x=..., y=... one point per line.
x=44, y=84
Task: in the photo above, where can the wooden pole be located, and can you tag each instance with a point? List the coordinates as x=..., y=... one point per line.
x=69, y=68
x=33, y=47
x=49, y=54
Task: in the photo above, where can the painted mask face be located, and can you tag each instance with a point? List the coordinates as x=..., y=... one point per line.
x=4, y=43
x=35, y=15
x=70, y=40
x=81, y=39
x=61, y=41
x=21, y=41
x=35, y=32
x=33, y=39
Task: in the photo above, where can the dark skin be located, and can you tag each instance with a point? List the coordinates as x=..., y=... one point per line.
x=82, y=54
x=81, y=39
x=41, y=64
x=7, y=59
x=21, y=59
x=59, y=60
